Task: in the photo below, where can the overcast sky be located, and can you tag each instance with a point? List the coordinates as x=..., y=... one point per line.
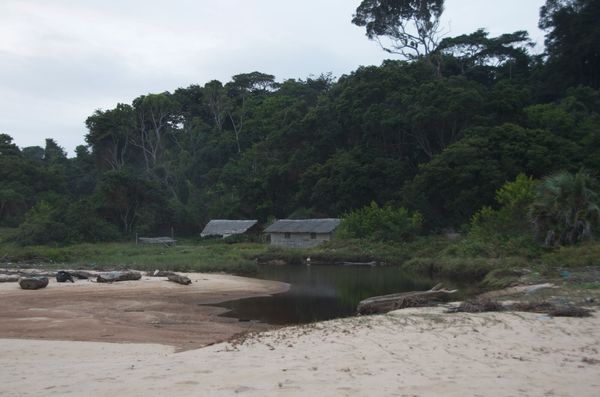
x=62, y=59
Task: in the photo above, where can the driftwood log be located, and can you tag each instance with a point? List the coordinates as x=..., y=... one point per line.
x=386, y=303
x=83, y=274
x=480, y=305
x=160, y=273
x=176, y=278
x=4, y=278
x=118, y=276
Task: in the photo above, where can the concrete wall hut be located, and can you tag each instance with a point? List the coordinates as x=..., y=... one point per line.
x=301, y=233
x=229, y=227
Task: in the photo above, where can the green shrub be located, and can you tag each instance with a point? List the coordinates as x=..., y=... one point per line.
x=41, y=226
x=514, y=199
x=86, y=226
x=381, y=223
x=452, y=268
x=566, y=208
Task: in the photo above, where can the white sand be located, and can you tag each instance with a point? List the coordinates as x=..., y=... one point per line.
x=414, y=352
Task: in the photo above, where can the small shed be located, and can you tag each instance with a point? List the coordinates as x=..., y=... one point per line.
x=228, y=227
x=302, y=233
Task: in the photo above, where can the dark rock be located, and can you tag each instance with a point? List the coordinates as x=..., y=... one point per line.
x=63, y=276
x=33, y=282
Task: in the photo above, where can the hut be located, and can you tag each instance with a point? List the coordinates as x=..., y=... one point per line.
x=229, y=227
x=301, y=233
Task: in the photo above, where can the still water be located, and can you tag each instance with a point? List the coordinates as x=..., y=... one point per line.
x=322, y=292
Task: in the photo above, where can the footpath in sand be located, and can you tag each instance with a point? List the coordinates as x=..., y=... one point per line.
x=412, y=352
x=150, y=310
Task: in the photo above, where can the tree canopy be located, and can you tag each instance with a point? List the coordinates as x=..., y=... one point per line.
x=395, y=135
x=410, y=26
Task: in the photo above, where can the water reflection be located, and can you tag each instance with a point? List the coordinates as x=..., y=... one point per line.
x=322, y=292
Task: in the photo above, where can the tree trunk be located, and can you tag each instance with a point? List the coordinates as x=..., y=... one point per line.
x=176, y=278
x=118, y=276
x=386, y=303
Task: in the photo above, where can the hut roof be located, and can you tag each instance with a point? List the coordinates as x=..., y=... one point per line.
x=326, y=225
x=221, y=227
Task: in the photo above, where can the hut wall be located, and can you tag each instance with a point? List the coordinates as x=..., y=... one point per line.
x=299, y=240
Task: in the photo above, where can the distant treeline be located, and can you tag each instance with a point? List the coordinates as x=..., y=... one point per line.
x=438, y=134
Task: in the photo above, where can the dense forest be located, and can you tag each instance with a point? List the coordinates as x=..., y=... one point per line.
x=437, y=133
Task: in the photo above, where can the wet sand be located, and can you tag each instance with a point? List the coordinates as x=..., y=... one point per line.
x=151, y=310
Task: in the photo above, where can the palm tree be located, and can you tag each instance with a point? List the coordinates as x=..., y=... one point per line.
x=566, y=208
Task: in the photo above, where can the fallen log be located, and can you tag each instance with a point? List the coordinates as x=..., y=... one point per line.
x=386, y=303
x=118, y=276
x=83, y=274
x=8, y=278
x=480, y=305
x=176, y=278
x=160, y=273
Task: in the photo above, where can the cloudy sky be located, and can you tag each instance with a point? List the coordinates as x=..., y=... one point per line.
x=62, y=59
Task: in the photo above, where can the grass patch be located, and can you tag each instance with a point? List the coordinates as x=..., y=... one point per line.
x=588, y=285
x=460, y=259
x=358, y=250
x=586, y=254
x=501, y=278
x=453, y=268
x=187, y=256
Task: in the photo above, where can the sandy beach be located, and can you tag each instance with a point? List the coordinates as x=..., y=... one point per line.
x=412, y=352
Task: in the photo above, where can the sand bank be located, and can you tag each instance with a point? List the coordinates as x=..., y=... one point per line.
x=413, y=352
x=150, y=310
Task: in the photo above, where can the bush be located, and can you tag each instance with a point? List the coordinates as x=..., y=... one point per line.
x=86, y=226
x=41, y=226
x=514, y=199
x=79, y=222
x=381, y=223
x=566, y=208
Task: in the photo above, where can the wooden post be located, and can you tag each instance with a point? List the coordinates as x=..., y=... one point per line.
x=172, y=233
x=136, y=238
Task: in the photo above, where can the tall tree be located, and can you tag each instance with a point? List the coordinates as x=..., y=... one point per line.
x=7, y=147
x=217, y=102
x=53, y=153
x=109, y=134
x=477, y=49
x=412, y=27
x=572, y=41
x=242, y=86
x=154, y=120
